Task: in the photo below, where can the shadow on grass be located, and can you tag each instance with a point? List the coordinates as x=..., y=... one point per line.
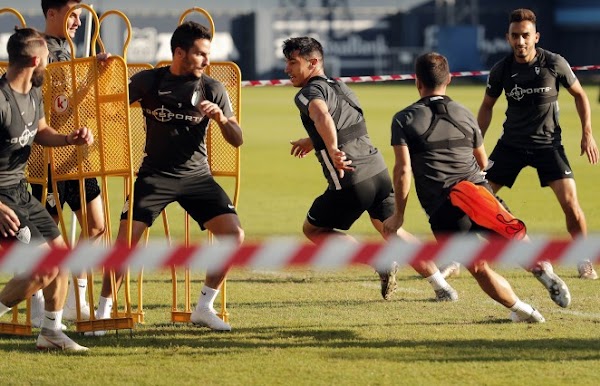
x=341, y=344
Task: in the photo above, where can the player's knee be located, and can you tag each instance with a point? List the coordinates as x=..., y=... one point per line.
x=310, y=231
x=43, y=279
x=239, y=235
x=478, y=268
x=96, y=231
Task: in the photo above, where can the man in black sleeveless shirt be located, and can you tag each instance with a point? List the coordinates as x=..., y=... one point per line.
x=22, y=217
x=356, y=173
x=530, y=78
x=178, y=102
x=439, y=141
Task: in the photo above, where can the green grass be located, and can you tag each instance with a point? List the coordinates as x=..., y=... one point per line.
x=306, y=327
x=301, y=326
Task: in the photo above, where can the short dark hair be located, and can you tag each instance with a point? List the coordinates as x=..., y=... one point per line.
x=522, y=14
x=306, y=47
x=432, y=69
x=22, y=45
x=55, y=4
x=187, y=33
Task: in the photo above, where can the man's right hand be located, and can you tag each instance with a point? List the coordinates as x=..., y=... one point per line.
x=301, y=147
x=340, y=162
x=392, y=224
x=9, y=222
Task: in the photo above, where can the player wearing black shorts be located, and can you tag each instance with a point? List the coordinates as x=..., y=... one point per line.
x=438, y=141
x=358, y=179
x=178, y=102
x=68, y=191
x=530, y=78
x=22, y=217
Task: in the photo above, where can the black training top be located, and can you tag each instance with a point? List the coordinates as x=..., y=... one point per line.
x=175, y=126
x=441, y=153
x=19, y=119
x=366, y=159
x=531, y=90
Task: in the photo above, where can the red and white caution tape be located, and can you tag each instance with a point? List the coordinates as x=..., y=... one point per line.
x=333, y=253
x=387, y=78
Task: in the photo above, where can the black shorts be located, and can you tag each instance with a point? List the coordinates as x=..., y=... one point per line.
x=551, y=164
x=449, y=219
x=68, y=191
x=37, y=226
x=339, y=209
x=200, y=196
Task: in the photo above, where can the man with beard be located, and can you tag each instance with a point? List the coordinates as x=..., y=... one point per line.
x=22, y=217
x=178, y=102
x=530, y=78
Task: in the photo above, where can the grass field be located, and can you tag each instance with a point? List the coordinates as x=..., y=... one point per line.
x=300, y=326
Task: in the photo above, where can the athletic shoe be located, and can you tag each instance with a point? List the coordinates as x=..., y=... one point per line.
x=208, y=318
x=388, y=281
x=559, y=292
x=70, y=313
x=586, y=270
x=449, y=270
x=535, y=317
x=446, y=295
x=37, y=323
x=57, y=340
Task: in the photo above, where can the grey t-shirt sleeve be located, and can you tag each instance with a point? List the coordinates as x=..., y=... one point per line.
x=477, y=136
x=40, y=99
x=308, y=93
x=564, y=73
x=494, y=80
x=5, y=114
x=221, y=99
x=399, y=122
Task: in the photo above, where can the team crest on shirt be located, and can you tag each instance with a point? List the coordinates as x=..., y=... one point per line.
x=537, y=70
x=24, y=235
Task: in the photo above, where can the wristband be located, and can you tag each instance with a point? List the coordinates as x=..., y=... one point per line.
x=67, y=139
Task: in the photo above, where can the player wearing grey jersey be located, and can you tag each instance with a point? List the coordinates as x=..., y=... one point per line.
x=358, y=179
x=178, y=101
x=530, y=78
x=438, y=140
x=22, y=218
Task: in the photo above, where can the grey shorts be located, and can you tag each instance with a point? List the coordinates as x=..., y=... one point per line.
x=37, y=226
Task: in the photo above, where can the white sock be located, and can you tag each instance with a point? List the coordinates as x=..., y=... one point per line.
x=207, y=297
x=37, y=304
x=522, y=309
x=82, y=284
x=104, y=308
x=71, y=295
x=3, y=309
x=437, y=281
x=52, y=320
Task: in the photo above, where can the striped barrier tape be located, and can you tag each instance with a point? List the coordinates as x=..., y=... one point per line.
x=277, y=253
x=387, y=78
